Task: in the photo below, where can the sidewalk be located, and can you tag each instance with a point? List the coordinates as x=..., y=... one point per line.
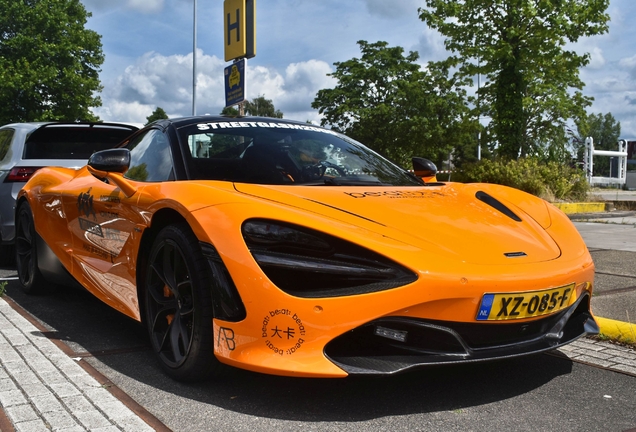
x=43, y=389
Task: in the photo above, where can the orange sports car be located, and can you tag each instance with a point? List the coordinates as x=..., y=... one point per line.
x=289, y=249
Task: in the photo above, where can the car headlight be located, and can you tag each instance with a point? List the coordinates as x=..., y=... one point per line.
x=307, y=263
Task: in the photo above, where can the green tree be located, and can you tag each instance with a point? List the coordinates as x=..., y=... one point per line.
x=605, y=131
x=230, y=111
x=387, y=101
x=262, y=107
x=49, y=63
x=157, y=114
x=532, y=84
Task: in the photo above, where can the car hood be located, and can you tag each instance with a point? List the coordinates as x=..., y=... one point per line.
x=448, y=219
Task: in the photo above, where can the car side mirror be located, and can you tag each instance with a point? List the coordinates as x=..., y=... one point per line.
x=424, y=169
x=109, y=166
x=111, y=160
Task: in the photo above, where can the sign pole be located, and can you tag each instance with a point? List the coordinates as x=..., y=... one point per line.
x=194, y=61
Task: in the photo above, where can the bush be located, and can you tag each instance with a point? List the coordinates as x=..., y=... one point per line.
x=548, y=180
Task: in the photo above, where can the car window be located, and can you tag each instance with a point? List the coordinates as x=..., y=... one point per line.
x=72, y=141
x=150, y=158
x=285, y=153
x=6, y=135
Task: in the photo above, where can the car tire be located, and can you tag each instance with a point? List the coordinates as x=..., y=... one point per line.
x=27, y=253
x=178, y=305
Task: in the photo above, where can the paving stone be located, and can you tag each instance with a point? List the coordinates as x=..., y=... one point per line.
x=52, y=377
x=17, y=367
x=78, y=403
x=625, y=368
x=32, y=426
x=85, y=382
x=589, y=345
x=33, y=390
x=60, y=420
x=64, y=389
x=18, y=339
x=75, y=429
x=11, y=398
x=107, y=429
x=134, y=424
x=618, y=353
x=626, y=361
x=22, y=413
x=67, y=365
x=116, y=411
x=47, y=403
x=599, y=355
x=7, y=384
x=8, y=355
x=100, y=396
x=26, y=377
x=594, y=360
x=92, y=419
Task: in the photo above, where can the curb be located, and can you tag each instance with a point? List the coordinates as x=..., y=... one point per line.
x=589, y=207
x=617, y=330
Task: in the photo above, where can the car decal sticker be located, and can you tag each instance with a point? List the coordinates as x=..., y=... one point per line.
x=396, y=194
x=269, y=125
x=85, y=204
x=91, y=227
x=226, y=336
x=282, y=330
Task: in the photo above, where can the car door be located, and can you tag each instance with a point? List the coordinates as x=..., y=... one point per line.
x=106, y=224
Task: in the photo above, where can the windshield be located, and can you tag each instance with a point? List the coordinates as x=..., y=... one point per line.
x=285, y=153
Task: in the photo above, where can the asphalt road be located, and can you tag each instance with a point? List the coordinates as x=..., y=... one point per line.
x=542, y=392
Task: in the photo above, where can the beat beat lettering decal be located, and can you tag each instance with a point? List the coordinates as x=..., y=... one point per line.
x=283, y=331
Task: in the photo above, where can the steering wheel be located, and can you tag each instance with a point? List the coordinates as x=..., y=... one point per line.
x=317, y=171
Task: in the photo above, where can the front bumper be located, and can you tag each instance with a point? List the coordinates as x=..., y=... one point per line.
x=395, y=344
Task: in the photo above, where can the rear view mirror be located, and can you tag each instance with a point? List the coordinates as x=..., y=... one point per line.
x=110, y=165
x=111, y=160
x=424, y=168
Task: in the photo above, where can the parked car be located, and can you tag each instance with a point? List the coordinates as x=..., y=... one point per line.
x=290, y=249
x=27, y=147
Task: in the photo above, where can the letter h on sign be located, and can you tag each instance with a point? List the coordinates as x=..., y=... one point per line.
x=236, y=25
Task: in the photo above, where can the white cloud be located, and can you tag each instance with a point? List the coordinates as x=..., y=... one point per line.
x=393, y=9
x=597, y=61
x=146, y=6
x=162, y=81
x=628, y=63
x=143, y=6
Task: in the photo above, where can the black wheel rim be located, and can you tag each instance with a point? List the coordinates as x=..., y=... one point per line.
x=170, y=304
x=25, y=248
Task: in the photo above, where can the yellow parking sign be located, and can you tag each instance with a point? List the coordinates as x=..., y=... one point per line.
x=239, y=18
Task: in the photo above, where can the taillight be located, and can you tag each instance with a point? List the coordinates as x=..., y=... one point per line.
x=20, y=174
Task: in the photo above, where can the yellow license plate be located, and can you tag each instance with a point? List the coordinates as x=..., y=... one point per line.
x=509, y=306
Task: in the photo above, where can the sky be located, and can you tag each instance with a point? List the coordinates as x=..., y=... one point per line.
x=148, y=47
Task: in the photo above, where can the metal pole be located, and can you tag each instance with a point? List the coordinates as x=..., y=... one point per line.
x=478, y=109
x=194, y=61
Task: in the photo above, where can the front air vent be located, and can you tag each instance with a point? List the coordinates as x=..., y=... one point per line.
x=496, y=204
